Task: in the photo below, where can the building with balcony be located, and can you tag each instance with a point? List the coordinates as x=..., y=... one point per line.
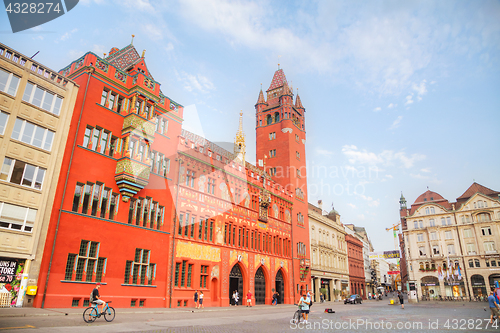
x=329, y=269
x=361, y=234
x=36, y=107
x=451, y=249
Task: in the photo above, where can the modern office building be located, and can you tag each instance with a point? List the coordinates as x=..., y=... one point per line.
x=36, y=107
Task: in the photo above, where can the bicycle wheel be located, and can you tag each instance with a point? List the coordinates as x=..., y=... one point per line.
x=109, y=314
x=296, y=317
x=90, y=314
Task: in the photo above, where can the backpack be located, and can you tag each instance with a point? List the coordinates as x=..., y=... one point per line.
x=310, y=302
x=91, y=299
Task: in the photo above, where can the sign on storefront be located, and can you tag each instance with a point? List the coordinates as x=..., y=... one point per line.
x=8, y=268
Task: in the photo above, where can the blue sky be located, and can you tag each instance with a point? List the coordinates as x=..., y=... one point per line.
x=399, y=95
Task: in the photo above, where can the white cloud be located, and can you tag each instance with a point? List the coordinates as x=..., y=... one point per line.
x=353, y=206
x=409, y=99
x=361, y=216
x=169, y=47
x=152, y=31
x=99, y=49
x=418, y=176
x=390, y=106
x=193, y=83
x=324, y=152
x=377, y=109
x=425, y=170
x=389, y=176
x=396, y=122
x=66, y=36
x=386, y=157
x=371, y=202
x=421, y=89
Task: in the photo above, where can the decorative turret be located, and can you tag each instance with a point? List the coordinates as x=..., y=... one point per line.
x=402, y=202
x=298, y=102
x=239, y=142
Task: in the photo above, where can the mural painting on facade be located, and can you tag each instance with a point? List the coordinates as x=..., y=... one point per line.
x=238, y=256
x=197, y=251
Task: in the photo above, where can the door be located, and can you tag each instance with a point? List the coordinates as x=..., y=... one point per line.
x=260, y=287
x=280, y=287
x=236, y=283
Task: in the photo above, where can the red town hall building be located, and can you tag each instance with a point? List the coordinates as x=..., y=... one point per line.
x=154, y=212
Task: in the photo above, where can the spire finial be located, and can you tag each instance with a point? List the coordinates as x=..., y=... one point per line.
x=279, y=61
x=239, y=142
x=132, y=42
x=143, y=53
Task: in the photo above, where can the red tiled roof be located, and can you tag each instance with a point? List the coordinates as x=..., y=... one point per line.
x=428, y=196
x=298, y=103
x=477, y=188
x=278, y=80
x=261, y=99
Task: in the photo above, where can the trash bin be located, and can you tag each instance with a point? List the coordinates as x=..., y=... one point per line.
x=392, y=302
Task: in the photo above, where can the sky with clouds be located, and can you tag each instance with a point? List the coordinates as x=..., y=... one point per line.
x=399, y=95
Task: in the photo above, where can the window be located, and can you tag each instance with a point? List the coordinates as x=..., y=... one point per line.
x=86, y=265
x=415, y=224
x=432, y=223
x=448, y=235
x=421, y=250
x=42, y=98
x=483, y=217
x=420, y=224
x=21, y=173
x=435, y=249
x=151, y=217
x=489, y=247
x=17, y=217
x=471, y=248
x=211, y=186
x=433, y=235
x=272, y=136
x=4, y=117
x=467, y=233
x=8, y=82
x=272, y=153
x=101, y=141
x=451, y=248
x=269, y=119
x=140, y=271
x=104, y=97
x=297, y=155
x=471, y=263
x=477, y=263
x=32, y=134
x=203, y=276
x=190, y=178
x=420, y=237
x=486, y=231
x=427, y=210
x=432, y=210
x=297, y=138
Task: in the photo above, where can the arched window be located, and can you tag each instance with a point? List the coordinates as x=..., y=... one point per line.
x=276, y=117
x=471, y=263
x=269, y=119
x=483, y=217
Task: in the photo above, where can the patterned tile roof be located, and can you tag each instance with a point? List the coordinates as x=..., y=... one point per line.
x=279, y=80
x=124, y=58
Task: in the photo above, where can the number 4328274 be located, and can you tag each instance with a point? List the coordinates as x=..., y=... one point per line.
x=32, y=8
x=470, y=324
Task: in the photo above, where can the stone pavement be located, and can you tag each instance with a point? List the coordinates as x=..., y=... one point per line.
x=370, y=316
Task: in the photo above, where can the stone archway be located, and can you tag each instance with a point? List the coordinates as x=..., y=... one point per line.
x=280, y=286
x=236, y=282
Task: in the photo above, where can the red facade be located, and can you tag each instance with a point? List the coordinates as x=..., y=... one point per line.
x=155, y=213
x=356, y=265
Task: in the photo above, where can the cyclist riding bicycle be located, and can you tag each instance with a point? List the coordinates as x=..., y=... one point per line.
x=96, y=297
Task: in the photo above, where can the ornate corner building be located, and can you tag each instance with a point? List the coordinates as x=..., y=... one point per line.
x=154, y=212
x=452, y=249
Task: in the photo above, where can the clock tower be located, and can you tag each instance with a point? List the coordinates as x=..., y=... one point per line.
x=281, y=138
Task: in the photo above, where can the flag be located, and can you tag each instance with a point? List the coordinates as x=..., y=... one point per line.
x=459, y=273
x=440, y=273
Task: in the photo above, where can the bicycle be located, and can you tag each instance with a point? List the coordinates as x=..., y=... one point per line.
x=297, y=316
x=92, y=313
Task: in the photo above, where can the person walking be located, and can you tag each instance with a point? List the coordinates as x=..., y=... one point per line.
x=201, y=300
x=249, y=299
x=493, y=306
x=304, y=303
x=275, y=298
x=232, y=298
x=236, y=298
x=196, y=299
x=401, y=300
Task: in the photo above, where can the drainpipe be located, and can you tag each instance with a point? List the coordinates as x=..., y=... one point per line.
x=90, y=70
x=173, y=235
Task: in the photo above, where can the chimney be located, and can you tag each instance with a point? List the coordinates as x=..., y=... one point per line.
x=320, y=205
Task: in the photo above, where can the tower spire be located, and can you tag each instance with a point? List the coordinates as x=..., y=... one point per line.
x=239, y=142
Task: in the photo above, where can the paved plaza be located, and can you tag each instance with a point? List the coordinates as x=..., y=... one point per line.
x=371, y=316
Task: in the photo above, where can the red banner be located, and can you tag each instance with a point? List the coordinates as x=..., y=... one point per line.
x=393, y=272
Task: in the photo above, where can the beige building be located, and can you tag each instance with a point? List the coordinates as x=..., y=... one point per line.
x=36, y=105
x=330, y=269
x=452, y=248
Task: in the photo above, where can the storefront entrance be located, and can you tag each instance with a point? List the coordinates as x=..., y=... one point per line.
x=325, y=289
x=478, y=287
x=430, y=287
x=236, y=282
x=260, y=287
x=279, y=286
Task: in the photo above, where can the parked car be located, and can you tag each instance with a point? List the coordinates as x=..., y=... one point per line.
x=353, y=299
